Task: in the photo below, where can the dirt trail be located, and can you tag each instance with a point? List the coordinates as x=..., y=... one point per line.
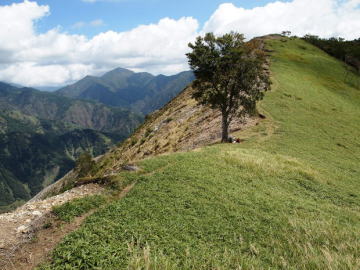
x=36, y=251
x=18, y=228
x=30, y=254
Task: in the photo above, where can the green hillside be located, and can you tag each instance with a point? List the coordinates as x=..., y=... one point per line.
x=286, y=198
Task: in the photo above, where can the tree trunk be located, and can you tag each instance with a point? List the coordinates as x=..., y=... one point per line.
x=225, y=128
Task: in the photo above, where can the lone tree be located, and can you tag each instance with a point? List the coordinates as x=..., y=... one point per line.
x=229, y=75
x=286, y=33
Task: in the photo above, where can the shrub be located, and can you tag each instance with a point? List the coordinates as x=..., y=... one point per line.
x=133, y=141
x=168, y=120
x=148, y=132
x=84, y=164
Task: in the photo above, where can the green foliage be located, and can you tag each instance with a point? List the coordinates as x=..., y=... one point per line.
x=35, y=160
x=286, y=33
x=229, y=75
x=47, y=225
x=168, y=120
x=286, y=198
x=11, y=190
x=85, y=164
x=148, y=132
x=133, y=141
x=345, y=50
x=142, y=141
x=75, y=208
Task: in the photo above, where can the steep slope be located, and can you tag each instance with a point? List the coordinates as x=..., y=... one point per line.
x=286, y=198
x=141, y=92
x=71, y=112
x=41, y=135
x=181, y=125
x=30, y=161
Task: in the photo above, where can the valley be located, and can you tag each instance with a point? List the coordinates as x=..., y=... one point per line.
x=42, y=133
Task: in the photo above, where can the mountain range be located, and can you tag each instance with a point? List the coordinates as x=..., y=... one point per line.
x=141, y=92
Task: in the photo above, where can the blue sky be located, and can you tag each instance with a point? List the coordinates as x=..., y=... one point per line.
x=123, y=15
x=57, y=42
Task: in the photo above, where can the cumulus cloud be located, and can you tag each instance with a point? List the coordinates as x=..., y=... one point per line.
x=326, y=18
x=56, y=57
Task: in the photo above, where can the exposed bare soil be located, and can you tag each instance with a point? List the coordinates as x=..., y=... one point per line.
x=23, y=238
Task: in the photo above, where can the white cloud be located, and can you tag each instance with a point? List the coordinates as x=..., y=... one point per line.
x=79, y=25
x=326, y=18
x=17, y=23
x=56, y=57
x=97, y=22
x=94, y=23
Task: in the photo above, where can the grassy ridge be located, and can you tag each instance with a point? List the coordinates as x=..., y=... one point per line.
x=288, y=198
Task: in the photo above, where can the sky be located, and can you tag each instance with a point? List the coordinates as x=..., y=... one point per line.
x=57, y=42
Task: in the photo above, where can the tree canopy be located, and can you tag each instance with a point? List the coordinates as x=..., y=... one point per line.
x=345, y=50
x=229, y=75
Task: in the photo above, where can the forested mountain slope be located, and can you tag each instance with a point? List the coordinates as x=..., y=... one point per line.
x=25, y=104
x=41, y=135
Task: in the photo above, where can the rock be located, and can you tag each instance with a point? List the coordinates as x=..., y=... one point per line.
x=22, y=229
x=131, y=168
x=36, y=213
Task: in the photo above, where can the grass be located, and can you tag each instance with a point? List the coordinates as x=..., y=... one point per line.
x=77, y=207
x=287, y=198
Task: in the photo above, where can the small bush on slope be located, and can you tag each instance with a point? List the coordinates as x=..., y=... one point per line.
x=288, y=198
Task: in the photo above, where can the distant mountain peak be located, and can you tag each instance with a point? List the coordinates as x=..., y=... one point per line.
x=7, y=85
x=89, y=77
x=142, y=92
x=118, y=71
